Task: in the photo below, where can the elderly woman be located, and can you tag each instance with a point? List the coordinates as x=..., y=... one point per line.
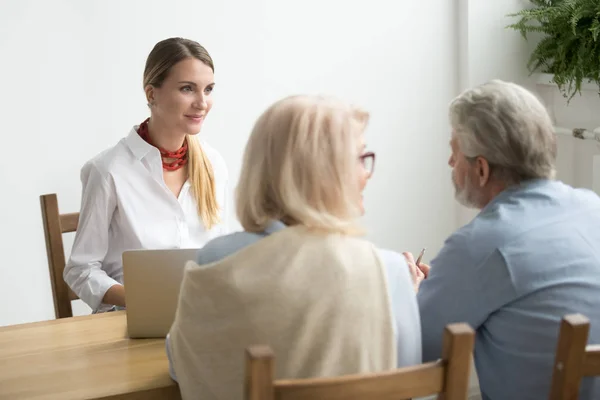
x=299, y=278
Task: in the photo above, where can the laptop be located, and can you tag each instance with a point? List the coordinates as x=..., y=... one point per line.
x=152, y=279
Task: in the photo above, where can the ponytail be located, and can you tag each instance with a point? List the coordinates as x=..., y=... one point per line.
x=202, y=179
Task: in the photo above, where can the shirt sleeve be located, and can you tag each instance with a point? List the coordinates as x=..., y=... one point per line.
x=404, y=308
x=83, y=272
x=459, y=289
x=169, y=357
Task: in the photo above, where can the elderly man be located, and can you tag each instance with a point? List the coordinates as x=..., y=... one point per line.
x=529, y=257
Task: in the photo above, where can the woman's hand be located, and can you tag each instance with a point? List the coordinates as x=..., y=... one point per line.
x=417, y=272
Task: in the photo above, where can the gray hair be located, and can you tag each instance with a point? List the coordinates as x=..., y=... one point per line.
x=509, y=127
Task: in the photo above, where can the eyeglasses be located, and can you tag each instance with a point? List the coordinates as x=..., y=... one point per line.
x=368, y=161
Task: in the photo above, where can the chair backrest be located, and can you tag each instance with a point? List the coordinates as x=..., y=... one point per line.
x=55, y=224
x=448, y=377
x=574, y=358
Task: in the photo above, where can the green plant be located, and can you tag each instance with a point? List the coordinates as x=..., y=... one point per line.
x=570, y=48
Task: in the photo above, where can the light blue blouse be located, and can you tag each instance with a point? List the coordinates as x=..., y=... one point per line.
x=407, y=327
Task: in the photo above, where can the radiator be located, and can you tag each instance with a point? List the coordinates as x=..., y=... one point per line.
x=579, y=133
x=591, y=135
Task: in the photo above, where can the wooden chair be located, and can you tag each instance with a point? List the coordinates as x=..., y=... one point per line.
x=448, y=377
x=574, y=358
x=55, y=224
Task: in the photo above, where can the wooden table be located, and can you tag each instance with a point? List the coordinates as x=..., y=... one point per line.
x=86, y=357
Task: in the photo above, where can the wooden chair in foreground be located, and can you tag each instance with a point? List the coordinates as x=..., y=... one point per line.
x=574, y=359
x=448, y=377
x=55, y=224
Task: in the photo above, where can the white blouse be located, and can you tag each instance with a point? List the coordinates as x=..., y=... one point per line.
x=126, y=205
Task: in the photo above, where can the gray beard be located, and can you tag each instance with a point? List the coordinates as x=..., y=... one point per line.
x=468, y=195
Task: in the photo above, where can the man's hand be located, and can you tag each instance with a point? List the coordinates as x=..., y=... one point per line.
x=417, y=272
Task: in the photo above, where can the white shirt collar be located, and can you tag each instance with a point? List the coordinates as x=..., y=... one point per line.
x=138, y=146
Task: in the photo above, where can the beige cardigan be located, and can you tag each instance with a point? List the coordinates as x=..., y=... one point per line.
x=319, y=300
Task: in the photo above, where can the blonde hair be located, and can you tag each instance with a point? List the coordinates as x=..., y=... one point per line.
x=161, y=59
x=300, y=166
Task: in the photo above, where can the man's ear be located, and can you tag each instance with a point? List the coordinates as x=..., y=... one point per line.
x=483, y=171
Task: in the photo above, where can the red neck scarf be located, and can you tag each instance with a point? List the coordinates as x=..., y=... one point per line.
x=179, y=157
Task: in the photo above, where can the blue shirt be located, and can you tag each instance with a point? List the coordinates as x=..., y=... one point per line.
x=528, y=258
x=407, y=326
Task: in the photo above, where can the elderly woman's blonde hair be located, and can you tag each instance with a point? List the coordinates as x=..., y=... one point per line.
x=300, y=166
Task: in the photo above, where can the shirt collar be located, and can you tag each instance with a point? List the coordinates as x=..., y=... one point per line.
x=274, y=226
x=138, y=146
x=512, y=190
x=140, y=149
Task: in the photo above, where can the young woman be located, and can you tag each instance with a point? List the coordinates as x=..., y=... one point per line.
x=299, y=278
x=159, y=187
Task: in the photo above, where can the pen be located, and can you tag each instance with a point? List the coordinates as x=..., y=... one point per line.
x=420, y=256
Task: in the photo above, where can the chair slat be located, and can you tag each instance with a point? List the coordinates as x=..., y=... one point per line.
x=69, y=222
x=402, y=383
x=459, y=340
x=570, y=352
x=55, y=225
x=591, y=361
x=259, y=373
x=448, y=376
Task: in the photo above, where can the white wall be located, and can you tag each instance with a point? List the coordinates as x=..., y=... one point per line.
x=490, y=51
x=578, y=162
x=72, y=75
